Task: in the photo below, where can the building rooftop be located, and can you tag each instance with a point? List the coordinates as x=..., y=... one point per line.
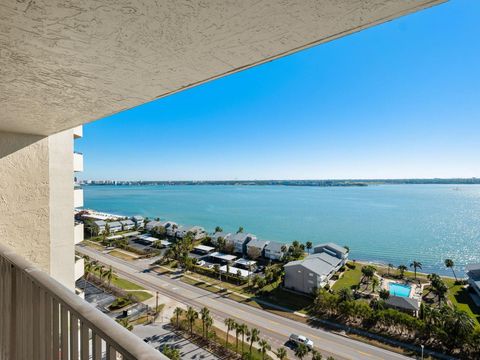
x=258, y=243
x=222, y=256
x=245, y=262
x=403, y=302
x=333, y=246
x=204, y=248
x=275, y=246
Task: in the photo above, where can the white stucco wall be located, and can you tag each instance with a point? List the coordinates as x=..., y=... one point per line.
x=36, y=200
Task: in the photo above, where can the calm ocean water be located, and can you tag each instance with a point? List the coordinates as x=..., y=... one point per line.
x=388, y=223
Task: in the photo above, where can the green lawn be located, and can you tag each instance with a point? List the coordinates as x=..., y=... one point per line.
x=121, y=255
x=460, y=297
x=349, y=279
x=141, y=295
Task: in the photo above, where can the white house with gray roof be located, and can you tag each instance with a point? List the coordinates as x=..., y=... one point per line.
x=273, y=250
x=315, y=270
x=220, y=234
x=256, y=246
x=99, y=227
x=240, y=241
x=139, y=221
x=114, y=226
x=127, y=224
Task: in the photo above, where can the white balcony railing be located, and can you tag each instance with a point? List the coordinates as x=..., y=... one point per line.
x=78, y=232
x=41, y=319
x=78, y=197
x=77, y=162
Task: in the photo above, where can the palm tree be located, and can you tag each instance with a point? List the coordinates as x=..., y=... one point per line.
x=402, y=269
x=240, y=229
x=264, y=347
x=171, y=353
x=450, y=264
x=108, y=275
x=218, y=229
x=230, y=324
x=253, y=335
x=316, y=355
x=243, y=329
x=301, y=350
x=390, y=266
x=216, y=268
x=208, y=325
x=308, y=245
x=345, y=294
x=384, y=294
x=204, y=314
x=177, y=312
x=192, y=315
x=374, y=283
x=88, y=268
x=237, y=333
x=281, y=353
x=416, y=265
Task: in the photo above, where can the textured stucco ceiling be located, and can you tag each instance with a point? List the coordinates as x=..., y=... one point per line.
x=68, y=62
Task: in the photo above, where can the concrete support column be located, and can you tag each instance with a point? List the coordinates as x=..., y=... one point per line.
x=36, y=200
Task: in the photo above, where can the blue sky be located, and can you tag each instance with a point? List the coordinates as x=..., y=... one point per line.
x=400, y=100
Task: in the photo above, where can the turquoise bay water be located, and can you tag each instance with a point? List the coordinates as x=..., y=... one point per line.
x=387, y=223
x=399, y=289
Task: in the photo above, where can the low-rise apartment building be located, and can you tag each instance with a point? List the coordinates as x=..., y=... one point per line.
x=315, y=270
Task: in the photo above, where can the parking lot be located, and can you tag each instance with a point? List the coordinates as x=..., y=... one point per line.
x=158, y=335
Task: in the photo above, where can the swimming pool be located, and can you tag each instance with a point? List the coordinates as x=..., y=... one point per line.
x=399, y=289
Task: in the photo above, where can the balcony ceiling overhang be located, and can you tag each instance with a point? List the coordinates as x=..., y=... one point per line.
x=65, y=63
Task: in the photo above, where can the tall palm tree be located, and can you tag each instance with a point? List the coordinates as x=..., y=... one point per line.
x=243, y=329
x=109, y=275
x=230, y=324
x=402, y=269
x=301, y=350
x=264, y=347
x=390, y=266
x=192, y=315
x=237, y=333
x=177, y=312
x=450, y=264
x=204, y=314
x=253, y=335
x=384, y=294
x=281, y=353
x=208, y=325
x=375, y=283
x=308, y=245
x=88, y=268
x=416, y=265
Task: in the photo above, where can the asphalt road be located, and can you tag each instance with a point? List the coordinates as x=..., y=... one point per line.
x=274, y=328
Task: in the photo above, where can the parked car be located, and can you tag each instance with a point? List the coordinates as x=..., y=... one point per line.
x=201, y=262
x=300, y=339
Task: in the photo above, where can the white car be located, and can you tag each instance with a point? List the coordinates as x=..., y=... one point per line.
x=300, y=339
x=201, y=263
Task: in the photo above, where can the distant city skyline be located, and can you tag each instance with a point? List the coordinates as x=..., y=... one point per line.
x=396, y=101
